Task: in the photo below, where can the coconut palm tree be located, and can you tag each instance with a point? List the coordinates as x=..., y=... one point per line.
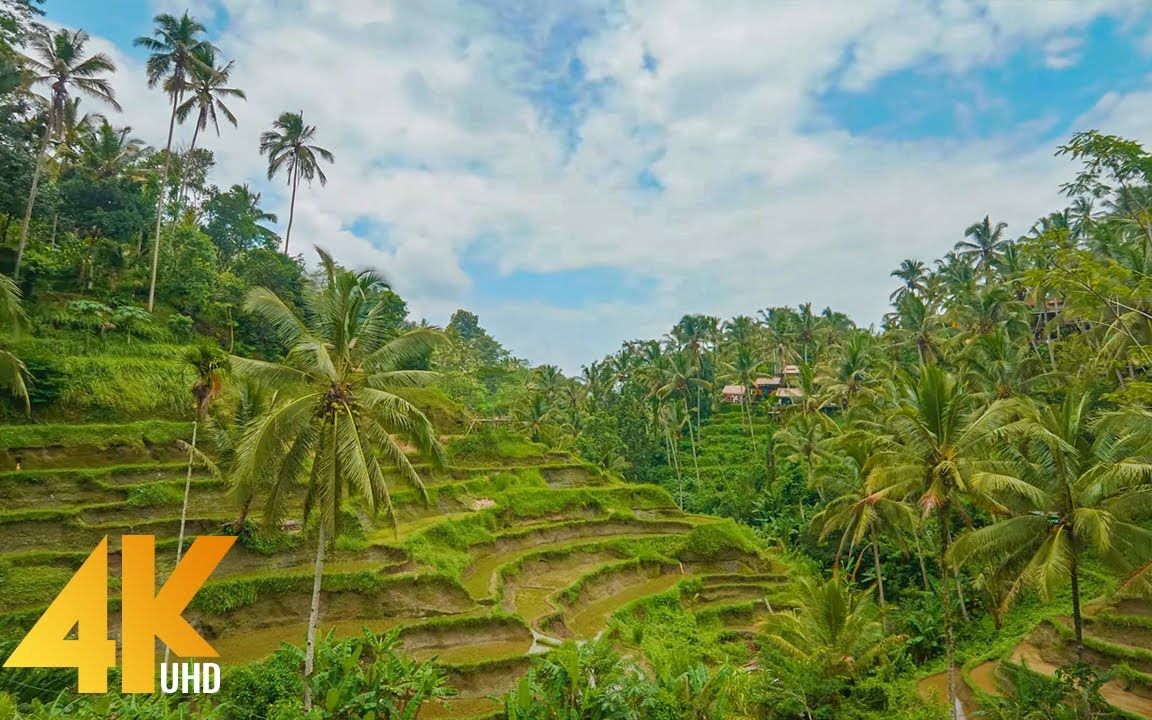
x=76, y=128
x=860, y=517
x=914, y=276
x=208, y=364
x=336, y=426
x=943, y=439
x=289, y=147
x=208, y=88
x=13, y=374
x=835, y=630
x=802, y=440
x=108, y=152
x=677, y=379
x=984, y=244
x=173, y=50
x=1093, y=474
x=60, y=60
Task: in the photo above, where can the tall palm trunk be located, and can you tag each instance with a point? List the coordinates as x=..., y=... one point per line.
x=184, y=508
x=920, y=557
x=161, y=190
x=313, y=618
x=242, y=518
x=946, y=592
x=876, y=562
x=673, y=455
x=291, y=208
x=959, y=585
x=692, y=441
x=31, y=200
x=1077, y=617
x=184, y=173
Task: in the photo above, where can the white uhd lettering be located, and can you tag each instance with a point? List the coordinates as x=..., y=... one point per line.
x=190, y=678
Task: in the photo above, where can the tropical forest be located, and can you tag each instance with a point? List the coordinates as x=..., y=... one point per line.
x=782, y=515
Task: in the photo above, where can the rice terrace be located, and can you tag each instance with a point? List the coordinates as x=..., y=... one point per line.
x=575, y=360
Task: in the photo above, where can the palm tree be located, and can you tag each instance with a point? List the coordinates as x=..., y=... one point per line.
x=209, y=88
x=677, y=379
x=942, y=441
x=13, y=374
x=914, y=276
x=335, y=425
x=173, y=47
x=59, y=60
x=534, y=416
x=834, y=630
x=288, y=147
x=108, y=152
x=1094, y=481
x=984, y=244
x=76, y=128
x=802, y=441
x=860, y=517
x=745, y=361
x=208, y=364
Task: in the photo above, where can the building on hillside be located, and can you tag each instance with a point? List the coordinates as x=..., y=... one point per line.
x=733, y=394
x=765, y=385
x=790, y=371
x=788, y=395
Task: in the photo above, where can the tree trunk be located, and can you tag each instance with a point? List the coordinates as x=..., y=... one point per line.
x=313, y=618
x=673, y=456
x=31, y=201
x=291, y=208
x=692, y=442
x=876, y=562
x=920, y=557
x=959, y=585
x=946, y=595
x=238, y=523
x=184, y=508
x=184, y=172
x=55, y=220
x=161, y=190
x=1077, y=616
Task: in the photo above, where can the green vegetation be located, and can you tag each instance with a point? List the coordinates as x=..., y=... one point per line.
x=775, y=516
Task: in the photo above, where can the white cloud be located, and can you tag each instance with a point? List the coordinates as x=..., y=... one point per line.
x=764, y=201
x=1063, y=52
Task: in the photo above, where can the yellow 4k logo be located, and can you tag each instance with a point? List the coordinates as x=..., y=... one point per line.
x=145, y=615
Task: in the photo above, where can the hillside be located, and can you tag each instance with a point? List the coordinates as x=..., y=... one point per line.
x=517, y=549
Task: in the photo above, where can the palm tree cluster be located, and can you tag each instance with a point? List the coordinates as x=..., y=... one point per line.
x=995, y=428
x=187, y=66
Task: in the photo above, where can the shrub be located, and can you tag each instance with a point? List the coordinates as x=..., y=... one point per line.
x=711, y=539
x=249, y=690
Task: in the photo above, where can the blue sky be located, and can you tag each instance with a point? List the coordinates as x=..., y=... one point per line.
x=582, y=172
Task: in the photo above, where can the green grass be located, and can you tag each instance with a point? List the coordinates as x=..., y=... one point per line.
x=712, y=539
x=99, y=435
x=571, y=593
x=118, y=388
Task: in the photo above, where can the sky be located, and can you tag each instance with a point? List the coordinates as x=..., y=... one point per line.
x=581, y=173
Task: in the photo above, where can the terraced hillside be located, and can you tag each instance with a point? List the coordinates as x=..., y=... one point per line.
x=517, y=549
x=1117, y=641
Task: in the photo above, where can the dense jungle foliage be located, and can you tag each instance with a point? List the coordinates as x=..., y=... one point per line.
x=975, y=467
